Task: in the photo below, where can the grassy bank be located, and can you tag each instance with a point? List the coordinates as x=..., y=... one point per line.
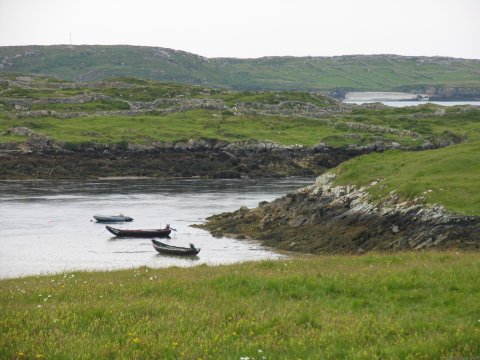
x=369, y=128
x=448, y=176
x=180, y=127
x=410, y=305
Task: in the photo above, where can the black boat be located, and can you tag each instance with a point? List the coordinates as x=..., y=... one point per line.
x=141, y=233
x=174, y=250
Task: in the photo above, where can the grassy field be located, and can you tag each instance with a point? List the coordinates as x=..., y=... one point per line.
x=402, y=306
x=448, y=176
x=194, y=124
x=356, y=127
x=197, y=124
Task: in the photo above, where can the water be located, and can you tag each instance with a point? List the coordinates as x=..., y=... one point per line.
x=415, y=103
x=47, y=227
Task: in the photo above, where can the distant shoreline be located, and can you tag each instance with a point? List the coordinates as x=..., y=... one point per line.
x=356, y=97
x=383, y=96
x=405, y=103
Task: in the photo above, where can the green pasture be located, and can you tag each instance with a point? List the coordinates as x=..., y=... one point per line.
x=195, y=124
x=376, y=306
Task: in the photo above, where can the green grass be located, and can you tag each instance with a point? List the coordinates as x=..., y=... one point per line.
x=425, y=119
x=84, y=107
x=232, y=98
x=448, y=176
x=402, y=306
x=196, y=124
x=192, y=125
x=429, y=121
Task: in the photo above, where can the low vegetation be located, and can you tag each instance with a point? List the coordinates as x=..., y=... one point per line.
x=402, y=306
x=108, y=112
x=196, y=124
x=448, y=176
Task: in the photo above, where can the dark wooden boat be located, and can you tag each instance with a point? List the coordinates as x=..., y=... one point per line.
x=140, y=233
x=174, y=250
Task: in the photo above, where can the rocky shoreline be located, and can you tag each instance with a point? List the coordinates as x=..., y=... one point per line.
x=324, y=218
x=191, y=159
x=42, y=157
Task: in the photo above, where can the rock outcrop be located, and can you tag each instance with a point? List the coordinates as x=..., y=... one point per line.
x=35, y=143
x=40, y=157
x=196, y=157
x=324, y=218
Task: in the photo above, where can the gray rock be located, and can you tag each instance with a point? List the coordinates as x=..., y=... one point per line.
x=328, y=218
x=180, y=146
x=21, y=130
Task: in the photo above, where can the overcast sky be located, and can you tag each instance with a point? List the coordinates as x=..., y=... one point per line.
x=252, y=28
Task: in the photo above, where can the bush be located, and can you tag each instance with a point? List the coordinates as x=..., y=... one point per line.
x=122, y=145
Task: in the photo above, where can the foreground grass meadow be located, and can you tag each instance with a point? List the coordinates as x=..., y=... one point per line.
x=375, y=306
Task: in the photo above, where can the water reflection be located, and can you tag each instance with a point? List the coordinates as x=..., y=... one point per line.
x=47, y=227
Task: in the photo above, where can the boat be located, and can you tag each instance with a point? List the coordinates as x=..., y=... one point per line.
x=140, y=233
x=174, y=250
x=112, y=218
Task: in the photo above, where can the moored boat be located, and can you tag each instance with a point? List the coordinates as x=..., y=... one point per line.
x=112, y=218
x=174, y=250
x=141, y=232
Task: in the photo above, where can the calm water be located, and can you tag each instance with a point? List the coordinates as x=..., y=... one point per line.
x=47, y=227
x=415, y=103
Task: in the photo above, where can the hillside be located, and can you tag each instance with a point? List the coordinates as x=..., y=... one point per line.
x=438, y=76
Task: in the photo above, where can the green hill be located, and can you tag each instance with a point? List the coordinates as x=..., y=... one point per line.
x=437, y=75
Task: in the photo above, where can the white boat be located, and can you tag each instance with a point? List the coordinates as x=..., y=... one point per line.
x=112, y=218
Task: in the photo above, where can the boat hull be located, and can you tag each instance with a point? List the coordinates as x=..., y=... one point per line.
x=139, y=233
x=174, y=250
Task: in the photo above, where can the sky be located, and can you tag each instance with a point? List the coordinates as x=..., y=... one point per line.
x=251, y=28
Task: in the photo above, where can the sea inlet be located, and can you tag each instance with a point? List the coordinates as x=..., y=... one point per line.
x=48, y=227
